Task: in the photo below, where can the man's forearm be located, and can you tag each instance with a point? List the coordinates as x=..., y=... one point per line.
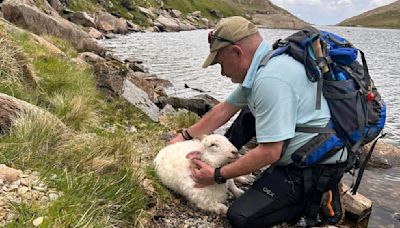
x=214, y=119
x=253, y=160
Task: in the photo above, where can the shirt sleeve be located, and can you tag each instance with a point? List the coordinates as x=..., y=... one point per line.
x=238, y=97
x=275, y=110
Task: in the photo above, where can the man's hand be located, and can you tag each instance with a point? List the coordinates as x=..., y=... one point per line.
x=178, y=138
x=202, y=173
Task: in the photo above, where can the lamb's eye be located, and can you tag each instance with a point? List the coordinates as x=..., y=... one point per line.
x=213, y=144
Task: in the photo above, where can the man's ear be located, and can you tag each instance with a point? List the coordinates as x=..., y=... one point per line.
x=237, y=50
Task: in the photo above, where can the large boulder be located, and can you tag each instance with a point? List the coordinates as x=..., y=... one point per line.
x=139, y=99
x=199, y=104
x=82, y=18
x=384, y=155
x=357, y=207
x=12, y=108
x=167, y=24
x=109, y=23
x=31, y=18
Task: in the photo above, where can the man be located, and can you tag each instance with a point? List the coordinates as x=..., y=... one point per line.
x=279, y=97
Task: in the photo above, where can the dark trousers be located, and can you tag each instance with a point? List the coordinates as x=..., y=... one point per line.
x=275, y=197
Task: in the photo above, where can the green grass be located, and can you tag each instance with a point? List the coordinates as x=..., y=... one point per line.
x=389, y=19
x=99, y=172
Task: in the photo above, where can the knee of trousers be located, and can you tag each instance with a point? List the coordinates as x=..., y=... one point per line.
x=236, y=217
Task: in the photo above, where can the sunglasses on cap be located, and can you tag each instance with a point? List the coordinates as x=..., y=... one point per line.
x=212, y=37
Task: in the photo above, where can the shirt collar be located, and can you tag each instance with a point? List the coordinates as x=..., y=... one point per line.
x=261, y=51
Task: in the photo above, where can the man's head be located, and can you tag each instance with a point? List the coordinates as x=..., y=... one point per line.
x=232, y=44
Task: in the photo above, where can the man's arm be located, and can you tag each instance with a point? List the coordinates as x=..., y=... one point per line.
x=215, y=118
x=264, y=154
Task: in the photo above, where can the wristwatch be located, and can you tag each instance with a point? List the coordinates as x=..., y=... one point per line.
x=218, y=178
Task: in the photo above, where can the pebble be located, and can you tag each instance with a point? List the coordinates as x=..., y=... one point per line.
x=23, y=190
x=38, y=221
x=53, y=196
x=29, y=188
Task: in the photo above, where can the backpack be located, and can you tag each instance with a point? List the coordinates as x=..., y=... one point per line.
x=358, y=112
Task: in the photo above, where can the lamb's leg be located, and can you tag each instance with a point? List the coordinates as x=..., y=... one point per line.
x=246, y=179
x=233, y=188
x=218, y=208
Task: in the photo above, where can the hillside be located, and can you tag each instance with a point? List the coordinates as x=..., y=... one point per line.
x=263, y=12
x=382, y=17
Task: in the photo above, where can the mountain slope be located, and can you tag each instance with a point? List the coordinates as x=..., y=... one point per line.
x=263, y=12
x=383, y=17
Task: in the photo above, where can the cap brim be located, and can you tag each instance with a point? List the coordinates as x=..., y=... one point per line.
x=210, y=59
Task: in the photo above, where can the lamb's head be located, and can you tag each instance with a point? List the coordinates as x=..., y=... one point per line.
x=218, y=150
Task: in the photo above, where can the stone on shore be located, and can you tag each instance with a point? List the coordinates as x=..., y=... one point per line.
x=9, y=174
x=109, y=23
x=140, y=99
x=357, y=207
x=32, y=19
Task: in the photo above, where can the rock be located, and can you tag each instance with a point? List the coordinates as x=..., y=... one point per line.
x=82, y=18
x=167, y=110
x=186, y=26
x=109, y=77
x=199, y=105
x=131, y=129
x=109, y=23
x=9, y=174
x=56, y=4
x=49, y=46
x=31, y=18
x=25, y=181
x=396, y=216
x=133, y=27
x=215, y=13
x=91, y=57
x=357, y=206
x=384, y=155
x=53, y=196
x=94, y=33
x=140, y=99
x=137, y=67
x=23, y=190
x=205, y=21
x=133, y=60
x=109, y=36
x=167, y=24
x=147, y=12
x=196, y=14
x=176, y=13
x=37, y=221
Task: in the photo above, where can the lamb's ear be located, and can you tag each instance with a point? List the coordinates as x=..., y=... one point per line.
x=193, y=154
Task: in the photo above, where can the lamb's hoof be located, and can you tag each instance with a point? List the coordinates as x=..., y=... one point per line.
x=220, y=209
x=247, y=179
x=237, y=192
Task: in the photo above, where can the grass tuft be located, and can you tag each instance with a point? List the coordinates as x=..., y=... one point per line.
x=75, y=111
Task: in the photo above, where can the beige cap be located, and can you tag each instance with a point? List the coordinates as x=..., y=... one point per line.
x=230, y=29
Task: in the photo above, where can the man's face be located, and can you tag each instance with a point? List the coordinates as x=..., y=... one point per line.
x=231, y=63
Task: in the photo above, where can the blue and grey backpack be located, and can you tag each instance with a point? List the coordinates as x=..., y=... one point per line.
x=357, y=111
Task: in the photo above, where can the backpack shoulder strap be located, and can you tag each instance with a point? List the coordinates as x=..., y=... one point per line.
x=266, y=58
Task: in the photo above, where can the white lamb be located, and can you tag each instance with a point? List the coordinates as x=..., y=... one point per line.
x=173, y=169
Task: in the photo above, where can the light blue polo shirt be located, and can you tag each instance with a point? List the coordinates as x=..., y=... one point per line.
x=280, y=97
